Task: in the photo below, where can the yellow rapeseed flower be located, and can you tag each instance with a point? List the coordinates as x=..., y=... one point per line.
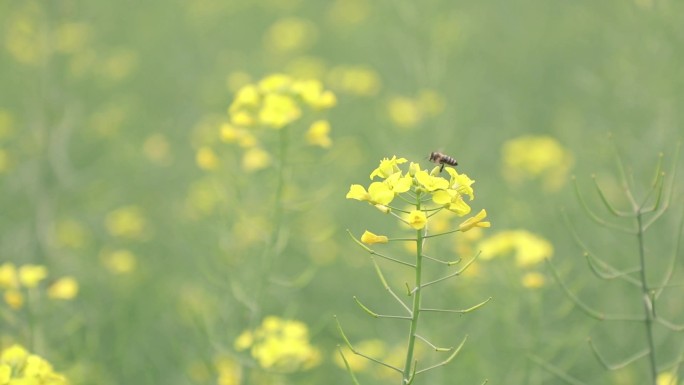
x=319, y=134
x=388, y=167
x=417, y=219
x=31, y=275
x=530, y=157
x=533, y=280
x=206, y=159
x=404, y=112
x=14, y=299
x=278, y=110
x=290, y=34
x=26, y=368
x=64, y=288
x=475, y=221
x=9, y=279
x=370, y=238
x=255, y=159
x=126, y=222
x=120, y=261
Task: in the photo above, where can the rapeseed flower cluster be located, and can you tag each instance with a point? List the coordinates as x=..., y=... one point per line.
x=528, y=249
x=536, y=157
x=15, y=281
x=280, y=345
x=272, y=104
x=430, y=192
x=19, y=367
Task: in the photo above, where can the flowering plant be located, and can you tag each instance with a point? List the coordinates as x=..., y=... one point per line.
x=426, y=193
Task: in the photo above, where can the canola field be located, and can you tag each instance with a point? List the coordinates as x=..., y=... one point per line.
x=253, y=192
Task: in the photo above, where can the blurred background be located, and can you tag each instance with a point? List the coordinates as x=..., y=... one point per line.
x=117, y=172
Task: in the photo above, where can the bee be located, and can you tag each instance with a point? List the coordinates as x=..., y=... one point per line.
x=443, y=160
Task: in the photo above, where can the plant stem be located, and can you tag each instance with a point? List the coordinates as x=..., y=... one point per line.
x=415, y=313
x=271, y=251
x=647, y=299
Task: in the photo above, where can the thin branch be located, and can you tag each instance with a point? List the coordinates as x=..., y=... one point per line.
x=451, y=357
x=666, y=205
x=610, y=207
x=388, y=288
x=588, y=310
x=555, y=371
x=659, y=187
x=349, y=345
x=604, y=265
x=595, y=217
x=670, y=325
x=463, y=311
x=448, y=263
x=612, y=272
x=673, y=259
x=373, y=252
x=434, y=347
x=346, y=364
x=618, y=365
x=454, y=273
x=376, y=315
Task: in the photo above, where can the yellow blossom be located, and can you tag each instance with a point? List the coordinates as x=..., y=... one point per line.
x=667, y=378
x=375, y=348
x=318, y=134
x=120, y=261
x=242, y=118
x=247, y=96
x=26, y=368
x=63, y=288
x=126, y=222
x=475, y=221
x=206, y=159
x=9, y=279
x=14, y=298
x=370, y=238
x=460, y=183
x=255, y=159
x=388, y=167
x=275, y=83
x=404, y=112
x=290, y=34
x=431, y=183
x=417, y=219
x=277, y=111
x=281, y=345
x=244, y=341
x=357, y=80
x=530, y=157
x=356, y=191
x=528, y=248
x=398, y=183
x=31, y=275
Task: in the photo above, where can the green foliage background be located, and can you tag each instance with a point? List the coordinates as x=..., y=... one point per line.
x=572, y=70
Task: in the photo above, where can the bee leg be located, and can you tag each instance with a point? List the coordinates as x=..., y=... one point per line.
x=441, y=168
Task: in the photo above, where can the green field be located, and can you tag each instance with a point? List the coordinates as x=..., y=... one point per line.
x=177, y=197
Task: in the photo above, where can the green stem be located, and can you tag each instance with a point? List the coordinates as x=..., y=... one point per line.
x=647, y=299
x=271, y=251
x=416, y=302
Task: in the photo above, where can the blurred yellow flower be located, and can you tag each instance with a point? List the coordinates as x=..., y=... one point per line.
x=228, y=370
x=667, y=378
x=118, y=64
x=404, y=112
x=157, y=149
x=64, y=288
x=355, y=80
x=126, y=222
x=70, y=233
x=255, y=159
x=119, y=261
x=278, y=110
x=31, y=275
x=319, y=134
x=281, y=345
x=6, y=124
x=206, y=159
x=14, y=298
x=25, y=37
x=531, y=157
x=349, y=12
x=529, y=249
x=290, y=34
x=28, y=369
x=370, y=238
x=4, y=161
x=533, y=280
x=9, y=279
x=430, y=102
x=72, y=37
x=373, y=348
x=417, y=219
